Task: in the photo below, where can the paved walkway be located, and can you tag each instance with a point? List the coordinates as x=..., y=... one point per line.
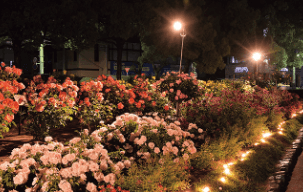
x=296, y=181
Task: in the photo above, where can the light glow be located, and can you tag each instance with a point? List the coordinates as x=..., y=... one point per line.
x=256, y=144
x=227, y=171
x=280, y=132
x=205, y=189
x=266, y=134
x=256, y=56
x=177, y=25
x=222, y=179
x=262, y=140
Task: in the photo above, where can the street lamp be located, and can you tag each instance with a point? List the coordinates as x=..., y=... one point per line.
x=178, y=26
x=256, y=56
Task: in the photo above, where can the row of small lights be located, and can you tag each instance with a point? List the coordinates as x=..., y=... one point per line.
x=262, y=140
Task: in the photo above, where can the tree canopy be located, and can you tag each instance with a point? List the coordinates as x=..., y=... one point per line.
x=284, y=28
x=63, y=23
x=214, y=29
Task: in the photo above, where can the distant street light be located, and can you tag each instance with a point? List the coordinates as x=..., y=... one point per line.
x=256, y=56
x=178, y=26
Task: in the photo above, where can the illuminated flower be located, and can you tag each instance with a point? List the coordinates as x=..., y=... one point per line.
x=120, y=106
x=9, y=117
x=131, y=101
x=166, y=107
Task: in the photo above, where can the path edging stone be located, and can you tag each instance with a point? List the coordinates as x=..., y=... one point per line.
x=280, y=179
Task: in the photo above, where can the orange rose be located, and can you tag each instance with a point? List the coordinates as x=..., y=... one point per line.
x=9, y=118
x=120, y=105
x=131, y=101
x=138, y=105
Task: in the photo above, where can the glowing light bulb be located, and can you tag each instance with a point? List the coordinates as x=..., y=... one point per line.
x=205, y=189
x=244, y=155
x=262, y=140
x=177, y=25
x=227, y=171
x=256, y=144
x=280, y=132
x=223, y=179
x=256, y=56
x=266, y=134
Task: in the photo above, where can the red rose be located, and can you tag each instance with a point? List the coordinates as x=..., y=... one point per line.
x=166, y=108
x=154, y=103
x=120, y=105
x=138, y=105
x=131, y=101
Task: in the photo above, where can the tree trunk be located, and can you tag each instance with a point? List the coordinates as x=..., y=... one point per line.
x=17, y=53
x=119, y=45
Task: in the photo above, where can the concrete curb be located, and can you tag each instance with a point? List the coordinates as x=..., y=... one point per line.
x=280, y=179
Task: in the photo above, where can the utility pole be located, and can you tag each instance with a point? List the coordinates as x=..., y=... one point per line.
x=41, y=55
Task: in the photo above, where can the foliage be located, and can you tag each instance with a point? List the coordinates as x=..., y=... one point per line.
x=226, y=104
x=225, y=147
x=92, y=107
x=9, y=86
x=103, y=156
x=178, y=87
x=291, y=128
x=154, y=176
x=202, y=160
x=49, y=105
x=105, y=98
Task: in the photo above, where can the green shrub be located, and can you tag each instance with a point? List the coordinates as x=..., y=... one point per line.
x=291, y=129
x=203, y=159
x=253, y=130
x=225, y=147
x=261, y=164
x=274, y=119
x=152, y=176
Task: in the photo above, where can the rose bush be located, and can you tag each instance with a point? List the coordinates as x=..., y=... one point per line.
x=96, y=159
x=9, y=86
x=216, y=111
x=49, y=105
x=105, y=98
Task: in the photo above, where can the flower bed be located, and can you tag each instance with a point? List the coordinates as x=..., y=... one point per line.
x=133, y=143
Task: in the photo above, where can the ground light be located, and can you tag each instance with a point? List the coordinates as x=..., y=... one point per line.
x=222, y=179
x=205, y=189
x=226, y=166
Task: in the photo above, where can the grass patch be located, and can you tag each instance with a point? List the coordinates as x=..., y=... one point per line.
x=249, y=175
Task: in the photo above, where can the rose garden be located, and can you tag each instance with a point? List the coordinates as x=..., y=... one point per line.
x=146, y=135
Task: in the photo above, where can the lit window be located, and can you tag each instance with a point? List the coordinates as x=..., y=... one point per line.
x=241, y=69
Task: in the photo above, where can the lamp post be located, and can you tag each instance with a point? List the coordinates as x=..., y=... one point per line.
x=256, y=56
x=178, y=26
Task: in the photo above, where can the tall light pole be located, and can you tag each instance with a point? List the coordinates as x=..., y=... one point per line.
x=256, y=56
x=178, y=26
